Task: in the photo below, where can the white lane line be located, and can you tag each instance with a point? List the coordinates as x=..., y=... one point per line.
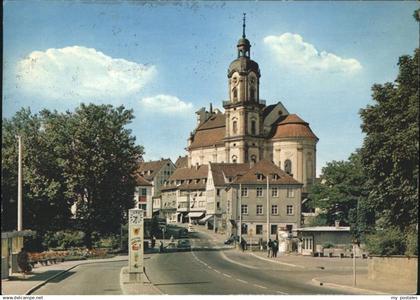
x=282, y=293
x=210, y=267
x=216, y=271
x=227, y=275
x=260, y=286
x=235, y=262
x=277, y=262
x=240, y=280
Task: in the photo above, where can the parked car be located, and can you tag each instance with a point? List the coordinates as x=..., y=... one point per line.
x=232, y=239
x=190, y=228
x=184, y=245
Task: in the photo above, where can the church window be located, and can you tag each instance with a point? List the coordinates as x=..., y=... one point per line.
x=234, y=158
x=235, y=94
x=288, y=166
x=253, y=127
x=252, y=94
x=235, y=126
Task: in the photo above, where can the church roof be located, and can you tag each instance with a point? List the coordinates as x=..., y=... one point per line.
x=293, y=126
x=182, y=162
x=265, y=168
x=210, y=133
x=243, y=64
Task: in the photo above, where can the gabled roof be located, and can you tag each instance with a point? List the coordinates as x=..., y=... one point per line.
x=190, y=173
x=149, y=169
x=210, y=133
x=182, y=162
x=141, y=181
x=266, y=168
x=293, y=126
x=228, y=170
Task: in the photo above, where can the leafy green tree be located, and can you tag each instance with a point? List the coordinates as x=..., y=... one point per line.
x=339, y=192
x=390, y=151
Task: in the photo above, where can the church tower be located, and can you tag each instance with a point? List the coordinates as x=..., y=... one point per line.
x=244, y=140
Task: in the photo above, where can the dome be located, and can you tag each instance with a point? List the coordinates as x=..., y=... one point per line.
x=243, y=64
x=244, y=42
x=293, y=127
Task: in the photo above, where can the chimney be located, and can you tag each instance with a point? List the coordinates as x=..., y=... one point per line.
x=337, y=224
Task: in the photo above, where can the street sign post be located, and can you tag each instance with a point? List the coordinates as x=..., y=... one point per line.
x=135, y=240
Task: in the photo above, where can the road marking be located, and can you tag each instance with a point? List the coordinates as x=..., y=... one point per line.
x=280, y=292
x=277, y=262
x=260, y=286
x=216, y=271
x=210, y=267
x=227, y=275
x=240, y=280
x=235, y=262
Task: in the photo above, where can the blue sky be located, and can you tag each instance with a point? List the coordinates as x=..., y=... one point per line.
x=165, y=61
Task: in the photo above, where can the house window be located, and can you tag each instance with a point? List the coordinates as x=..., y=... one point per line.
x=253, y=127
x=235, y=126
x=274, y=210
x=288, y=166
x=259, y=192
x=218, y=192
x=143, y=192
x=289, y=228
x=273, y=229
x=244, y=209
x=218, y=205
x=274, y=192
x=259, y=209
x=258, y=229
x=289, y=210
x=290, y=193
x=244, y=192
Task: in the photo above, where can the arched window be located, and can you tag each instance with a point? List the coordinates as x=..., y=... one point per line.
x=235, y=94
x=235, y=126
x=253, y=158
x=234, y=159
x=252, y=94
x=253, y=127
x=288, y=166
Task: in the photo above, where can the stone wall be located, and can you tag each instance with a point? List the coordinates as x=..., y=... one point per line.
x=399, y=269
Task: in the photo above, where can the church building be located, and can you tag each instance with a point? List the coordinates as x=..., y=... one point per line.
x=249, y=130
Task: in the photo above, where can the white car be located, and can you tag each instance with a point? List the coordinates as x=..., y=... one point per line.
x=190, y=228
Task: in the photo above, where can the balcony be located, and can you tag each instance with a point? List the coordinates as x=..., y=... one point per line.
x=228, y=103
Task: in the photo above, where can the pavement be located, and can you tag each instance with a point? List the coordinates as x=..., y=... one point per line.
x=136, y=285
x=19, y=284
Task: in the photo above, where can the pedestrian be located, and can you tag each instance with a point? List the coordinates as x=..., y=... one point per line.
x=269, y=248
x=275, y=248
x=153, y=242
x=161, y=247
x=23, y=261
x=243, y=244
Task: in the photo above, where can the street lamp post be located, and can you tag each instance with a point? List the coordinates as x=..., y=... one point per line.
x=19, y=224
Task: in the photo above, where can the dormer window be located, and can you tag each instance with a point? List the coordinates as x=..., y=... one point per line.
x=275, y=176
x=260, y=176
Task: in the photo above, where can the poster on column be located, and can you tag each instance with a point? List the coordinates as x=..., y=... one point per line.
x=135, y=240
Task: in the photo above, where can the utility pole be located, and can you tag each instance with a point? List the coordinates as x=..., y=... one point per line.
x=19, y=224
x=354, y=264
x=240, y=213
x=268, y=212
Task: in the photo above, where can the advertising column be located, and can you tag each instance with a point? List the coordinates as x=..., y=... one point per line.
x=135, y=240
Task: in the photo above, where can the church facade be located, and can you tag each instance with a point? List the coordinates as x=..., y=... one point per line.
x=249, y=130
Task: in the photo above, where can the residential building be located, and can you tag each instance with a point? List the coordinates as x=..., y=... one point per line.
x=156, y=172
x=143, y=195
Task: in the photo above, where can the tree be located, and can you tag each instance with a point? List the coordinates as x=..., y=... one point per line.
x=340, y=192
x=391, y=146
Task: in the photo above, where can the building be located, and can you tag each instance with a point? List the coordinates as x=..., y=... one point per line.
x=263, y=199
x=143, y=195
x=155, y=173
x=249, y=130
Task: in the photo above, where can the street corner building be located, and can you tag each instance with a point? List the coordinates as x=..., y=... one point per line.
x=253, y=162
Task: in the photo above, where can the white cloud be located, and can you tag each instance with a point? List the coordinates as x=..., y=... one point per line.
x=166, y=104
x=290, y=49
x=80, y=73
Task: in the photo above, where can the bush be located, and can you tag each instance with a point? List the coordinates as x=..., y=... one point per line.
x=412, y=243
x=327, y=245
x=386, y=242
x=319, y=220
x=63, y=239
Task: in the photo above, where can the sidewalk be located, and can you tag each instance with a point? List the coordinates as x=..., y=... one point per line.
x=139, y=286
x=18, y=284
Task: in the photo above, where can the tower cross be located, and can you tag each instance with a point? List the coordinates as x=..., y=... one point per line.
x=243, y=26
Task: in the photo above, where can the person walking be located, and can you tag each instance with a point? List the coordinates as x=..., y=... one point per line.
x=275, y=248
x=23, y=261
x=161, y=247
x=269, y=248
x=153, y=243
x=243, y=244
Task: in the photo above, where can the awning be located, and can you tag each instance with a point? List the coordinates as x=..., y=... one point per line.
x=196, y=214
x=205, y=219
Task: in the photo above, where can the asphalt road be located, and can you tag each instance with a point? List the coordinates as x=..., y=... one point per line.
x=92, y=279
x=217, y=272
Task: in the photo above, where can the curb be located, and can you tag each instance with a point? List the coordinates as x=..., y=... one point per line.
x=317, y=282
x=159, y=292
x=277, y=262
x=39, y=285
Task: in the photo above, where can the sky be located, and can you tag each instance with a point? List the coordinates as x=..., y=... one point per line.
x=167, y=60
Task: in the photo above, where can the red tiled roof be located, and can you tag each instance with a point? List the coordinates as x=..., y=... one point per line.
x=293, y=126
x=182, y=162
x=152, y=166
x=210, y=133
x=140, y=181
x=229, y=170
x=190, y=173
x=266, y=167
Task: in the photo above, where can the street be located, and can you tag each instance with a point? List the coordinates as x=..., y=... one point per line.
x=210, y=268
